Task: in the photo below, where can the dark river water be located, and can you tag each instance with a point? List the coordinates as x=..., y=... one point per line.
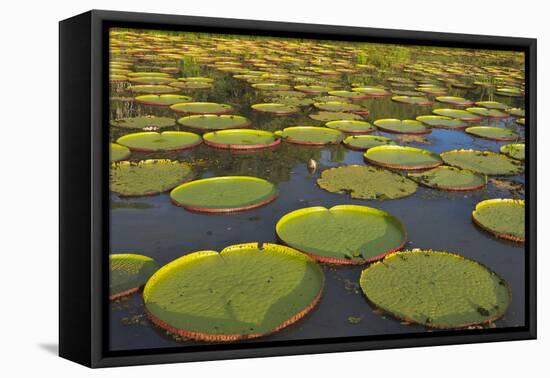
x=436, y=220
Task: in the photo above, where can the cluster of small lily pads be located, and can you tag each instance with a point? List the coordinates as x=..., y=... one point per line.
x=254, y=289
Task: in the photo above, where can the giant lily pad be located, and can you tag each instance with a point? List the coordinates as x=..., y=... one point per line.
x=209, y=122
x=153, y=89
x=412, y=100
x=241, y=139
x=191, y=85
x=311, y=135
x=224, y=194
x=509, y=92
x=514, y=150
x=442, y=122
x=349, y=95
x=343, y=234
x=271, y=86
x=147, y=177
x=144, y=122
x=491, y=113
x=202, y=108
x=435, y=289
x=492, y=105
x=397, y=126
x=162, y=100
x=493, y=133
x=516, y=112
x=335, y=106
x=454, y=100
x=520, y=121
x=243, y=292
x=118, y=152
x=128, y=272
x=487, y=162
x=166, y=141
x=450, y=178
x=276, y=109
x=372, y=91
x=400, y=157
x=458, y=114
x=364, y=142
x=365, y=182
x=325, y=116
x=315, y=89
x=351, y=126
x=151, y=80
x=504, y=218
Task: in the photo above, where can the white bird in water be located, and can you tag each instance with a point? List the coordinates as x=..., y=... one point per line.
x=311, y=166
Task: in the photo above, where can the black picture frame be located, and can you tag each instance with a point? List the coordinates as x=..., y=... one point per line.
x=84, y=221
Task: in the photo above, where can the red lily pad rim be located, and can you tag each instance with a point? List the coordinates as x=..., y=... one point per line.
x=124, y=293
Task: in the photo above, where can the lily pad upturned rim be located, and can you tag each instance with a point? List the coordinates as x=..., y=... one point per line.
x=198, y=140
x=466, y=115
x=135, y=257
x=351, y=130
x=312, y=128
x=348, y=141
x=505, y=149
x=486, y=153
x=477, y=131
x=489, y=113
x=380, y=124
x=285, y=109
x=256, y=146
x=222, y=108
x=119, y=152
x=184, y=121
x=343, y=261
x=424, y=118
x=401, y=166
x=148, y=99
x=200, y=209
x=483, y=178
x=454, y=100
x=495, y=201
x=406, y=100
x=213, y=337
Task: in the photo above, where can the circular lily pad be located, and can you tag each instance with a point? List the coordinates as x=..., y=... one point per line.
x=514, y=150
x=487, y=162
x=241, y=139
x=311, y=135
x=209, y=122
x=153, y=89
x=190, y=85
x=504, y=218
x=516, y=112
x=509, y=92
x=202, y=108
x=224, y=194
x=492, y=105
x=162, y=100
x=459, y=114
x=365, y=182
x=118, y=152
x=276, y=109
x=165, y=141
x=315, y=89
x=450, y=178
x=351, y=126
x=492, y=133
x=349, y=95
x=294, y=101
x=343, y=234
x=443, y=122
x=412, y=100
x=432, y=90
x=324, y=116
x=372, y=91
x=452, y=100
x=128, y=272
x=243, y=292
x=147, y=177
x=400, y=157
x=435, y=289
x=334, y=106
x=364, y=142
x=491, y=113
x=271, y=86
x=144, y=122
x=397, y=126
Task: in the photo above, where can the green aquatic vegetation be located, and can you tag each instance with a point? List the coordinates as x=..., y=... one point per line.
x=412, y=100
x=276, y=109
x=492, y=105
x=442, y=122
x=151, y=80
x=504, y=218
x=435, y=289
x=364, y=142
x=432, y=90
x=520, y=121
x=190, y=85
x=400, y=157
x=144, y=122
x=487, y=162
x=406, y=126
x=271, y=86
x=459, y=101
x=343, y=234
x=493, y=133
x=147, y=177
x=224, y=194
x=372, y=91
x=514, y=150
x=311, y=135
x=162, y=100
x=128, y=272
x=243, y=139
x=118, y=152
x=351, y=126
x=153, y=89
x=459, y=114
x=491, y=113
x=325, y=116
x=148, y=74
x=508, y=92
x=450, y=178
x=348, y=95
x=293, y=101
x=366, y=182
x=166, y=141
x=202, y=108
x=244, y=291
x=516, y=112
x=314, y=89
x=335, y=106
x=210, y=122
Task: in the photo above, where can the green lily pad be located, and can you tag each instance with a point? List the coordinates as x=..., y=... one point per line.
x=504, y=218
x=492, y=105
x=165, y=141
x=349, y=95
x=412, y=100
x=343, y=234
x=514, y=150
x=190, y=85
x=148, y=74
x=241, y=139
x=459, y=101
x=197, y=79
x=491, y=113
x=128, y=272
x=144, y=122
x=209, y=122
x=276, y=109
x=271, y=86
x=459, y=114
x=432, y=90
x=509, y=92
x=397, y=126
x=400, y=157
x=118, y=152
x=520, y=121
x=147, y=177
x=293, y=101
x=365, y=182
x=315, y=89
x=516, y=112
x=351, y=126
x=435, y=289
x=311, y=135
x=372, y=91
x=487, y=162
x=450, y=178
x=442, y=122
x=202, y=108
x=151, y=80
x=334, y=106
x=153, y=89
x=324, y=116
x=243, y=292
x=364, y=142
x=493, y=133
x=162, y=100
x=224, y=194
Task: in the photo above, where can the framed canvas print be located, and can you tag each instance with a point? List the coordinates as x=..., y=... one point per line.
x=233, y=188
